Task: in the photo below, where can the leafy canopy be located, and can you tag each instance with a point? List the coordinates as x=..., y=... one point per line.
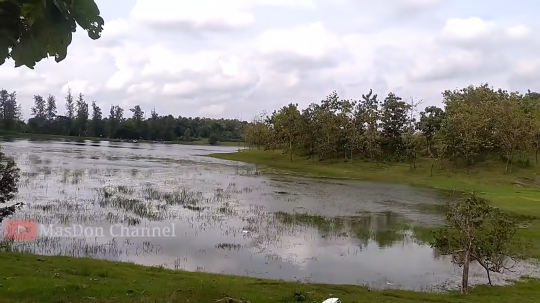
x=31, y=30
x=476, y=231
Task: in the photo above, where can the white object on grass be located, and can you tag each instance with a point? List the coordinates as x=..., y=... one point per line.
x=332, y=300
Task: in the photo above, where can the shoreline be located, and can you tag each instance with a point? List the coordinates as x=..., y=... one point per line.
x=48, y=137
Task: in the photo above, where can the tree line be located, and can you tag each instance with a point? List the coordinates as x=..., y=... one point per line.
x=88, y=120
x=474, y=124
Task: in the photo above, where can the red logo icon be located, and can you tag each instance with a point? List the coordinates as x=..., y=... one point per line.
x=20, y=230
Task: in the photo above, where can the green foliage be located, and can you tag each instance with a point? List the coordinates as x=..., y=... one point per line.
x=78, y=121
x=31, y=30
x=477, y=123
x=10, y=111
x=9, y=177
x=430, y=123
x=286, y=122
x=213, y=139
x=476, y=231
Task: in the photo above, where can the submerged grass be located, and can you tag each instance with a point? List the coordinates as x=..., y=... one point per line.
x=30, y=278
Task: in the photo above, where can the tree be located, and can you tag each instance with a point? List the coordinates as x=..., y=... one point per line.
x=430, y=122
x=309, y=130
x=4, y=97
x=138, y=117
x=412, y=143
x=257, y=133
x=34, y=30
x=476, y=231
x=155, y=125
x=70, y=105
x=50, y=109
x=39, y=109
x=213, y=139
x=286, y=126
x=97, y=116
x=467, y=125
x=116, y=116
x=10, y=111
x=394, y=118
x=372, y=144
x=138, y=113
x=187, y=135
x=81, y=119
x=9, y=176
x=512, y=127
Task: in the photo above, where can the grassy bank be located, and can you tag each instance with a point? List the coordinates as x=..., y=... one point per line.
x=518, y=192
x=30, y=278
x=203, y=141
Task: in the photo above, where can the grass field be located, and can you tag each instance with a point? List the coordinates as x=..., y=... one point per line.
x=516, y=192
x=30, y=278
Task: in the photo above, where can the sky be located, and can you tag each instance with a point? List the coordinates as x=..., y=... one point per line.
x=238, y=58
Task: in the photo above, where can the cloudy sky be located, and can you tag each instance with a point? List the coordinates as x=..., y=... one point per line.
x=236, y=58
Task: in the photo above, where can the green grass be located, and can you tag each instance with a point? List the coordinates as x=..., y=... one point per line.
x=30, y=278
x=487, y=180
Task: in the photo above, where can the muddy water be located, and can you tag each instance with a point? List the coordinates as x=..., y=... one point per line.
x=170, y=205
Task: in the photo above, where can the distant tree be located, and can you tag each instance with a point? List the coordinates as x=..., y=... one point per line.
x=309, y=131
x=513, y=128
x=467, y=127
x=70, y=105
x=9, y=177
x=476, y=231
x=4, y=97
x=96, y=122
x=286, y=124
x=138, y=118
x=10, y=110
x=430, y=122
x=34, y=30
x=532, y=108
x=213, y=139
x=39, y=110
x=50, y=109
x=138, y=113
x=371, y=116
x=81, y=120
x=155, y=124
x=412, y=144
x=394, y=119
x=187, y=135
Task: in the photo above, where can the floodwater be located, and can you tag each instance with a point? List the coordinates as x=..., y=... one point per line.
x=169, y=205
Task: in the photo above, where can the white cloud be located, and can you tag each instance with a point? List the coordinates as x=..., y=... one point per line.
x=468, y=29
x=312, y=40
x=213, y=110
x=216, y=58
x=196, y=15
x=79, y=86
x=518, y=32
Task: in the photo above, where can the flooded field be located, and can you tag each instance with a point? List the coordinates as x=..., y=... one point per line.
x=169, y=205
